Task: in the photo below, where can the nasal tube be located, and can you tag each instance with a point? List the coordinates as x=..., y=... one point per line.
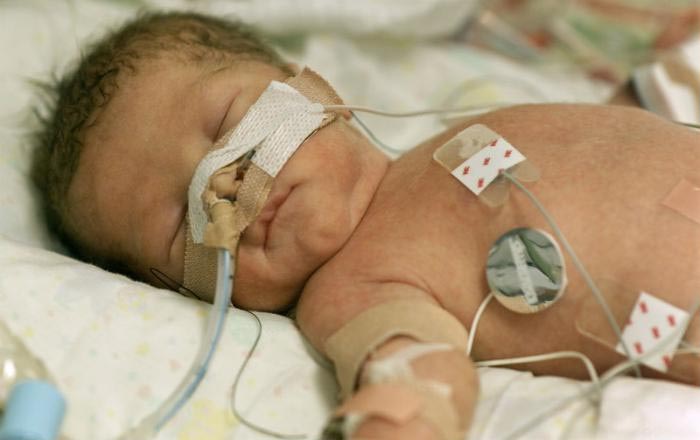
x=150, y=426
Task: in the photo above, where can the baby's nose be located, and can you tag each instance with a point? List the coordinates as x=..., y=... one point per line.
x=225, y=185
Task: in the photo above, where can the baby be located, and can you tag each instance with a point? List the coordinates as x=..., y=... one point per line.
x=357, y=241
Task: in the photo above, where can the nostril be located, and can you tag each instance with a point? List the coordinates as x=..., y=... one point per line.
x=226, y=186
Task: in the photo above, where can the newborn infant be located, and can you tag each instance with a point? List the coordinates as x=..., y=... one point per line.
x=605, y=171
x=345, y=230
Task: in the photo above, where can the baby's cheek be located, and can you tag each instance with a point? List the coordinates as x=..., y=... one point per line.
x=262, y=285
x=177, y=257
x=325, y=232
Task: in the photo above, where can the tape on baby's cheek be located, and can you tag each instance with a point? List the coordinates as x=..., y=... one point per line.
x=476, y=156
x=651, y=327
x=200, y=268
x=685, y=200
x=275, y=125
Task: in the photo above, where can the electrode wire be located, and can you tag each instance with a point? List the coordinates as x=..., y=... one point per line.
x=215, y=325
x=237, y=379
x=579, y=265
x=566, y=354
x=467, y=110
x=608, y=376
x=374, y=138
x=475, y=322
x=689, y=124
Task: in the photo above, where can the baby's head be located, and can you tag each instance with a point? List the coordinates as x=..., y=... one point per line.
x=132, y=121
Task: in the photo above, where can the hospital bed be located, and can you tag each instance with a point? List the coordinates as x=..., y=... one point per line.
x=116, y=347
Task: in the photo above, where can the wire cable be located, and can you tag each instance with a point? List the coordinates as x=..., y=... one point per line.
x=470, y=109
x=689, y=125
x=374, y=138
x=579, y=265
x=593, y=374
x=475, y=323
x=608, y=377
x=237, y=380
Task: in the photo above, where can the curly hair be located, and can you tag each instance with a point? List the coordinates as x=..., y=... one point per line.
x=74, y=100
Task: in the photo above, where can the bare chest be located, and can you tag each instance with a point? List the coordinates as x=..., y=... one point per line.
x=605, y=191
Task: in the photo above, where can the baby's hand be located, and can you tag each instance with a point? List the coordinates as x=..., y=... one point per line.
x=432, y=402
x=381, y=413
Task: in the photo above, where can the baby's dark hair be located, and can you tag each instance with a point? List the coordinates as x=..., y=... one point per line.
x=74, y=100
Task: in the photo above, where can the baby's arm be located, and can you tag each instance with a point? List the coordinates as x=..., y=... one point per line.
x=436, y=399
x=452, y=368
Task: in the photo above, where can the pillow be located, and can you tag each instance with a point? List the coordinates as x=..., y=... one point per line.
x=36, y=37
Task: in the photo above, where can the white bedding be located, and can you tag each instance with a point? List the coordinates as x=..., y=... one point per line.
x=117, y=347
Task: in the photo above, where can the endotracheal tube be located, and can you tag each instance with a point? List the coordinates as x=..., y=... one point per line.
x=150, y=426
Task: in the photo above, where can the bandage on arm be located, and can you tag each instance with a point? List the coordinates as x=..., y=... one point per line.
x=377, y=323
x=442, y=381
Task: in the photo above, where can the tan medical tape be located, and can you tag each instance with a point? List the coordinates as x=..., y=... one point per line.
x=591, y=322
x=401, y=402
x=349, y=347
x=200, y=268
x=684, y=198
x=228, y=217
x=228, y=220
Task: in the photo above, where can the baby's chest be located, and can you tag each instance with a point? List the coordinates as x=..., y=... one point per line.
x=427, y=228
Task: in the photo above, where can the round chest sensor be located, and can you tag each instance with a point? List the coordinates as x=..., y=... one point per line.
x=525, y=270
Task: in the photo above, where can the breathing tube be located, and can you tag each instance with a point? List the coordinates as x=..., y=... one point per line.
x=149, y=427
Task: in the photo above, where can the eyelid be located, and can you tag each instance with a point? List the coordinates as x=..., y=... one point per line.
x=217, y=135
x=219, y=131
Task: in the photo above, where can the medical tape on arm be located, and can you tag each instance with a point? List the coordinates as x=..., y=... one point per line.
x=399, y=403
x=684, y=199
x=275, y=126
x=436, y=407
x=353, y=344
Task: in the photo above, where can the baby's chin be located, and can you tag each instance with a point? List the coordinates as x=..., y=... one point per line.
x=266, y=299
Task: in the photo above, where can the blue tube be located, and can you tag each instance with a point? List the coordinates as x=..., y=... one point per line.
x=150, y=426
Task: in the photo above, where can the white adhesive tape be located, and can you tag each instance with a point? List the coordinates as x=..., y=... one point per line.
x=279, y=121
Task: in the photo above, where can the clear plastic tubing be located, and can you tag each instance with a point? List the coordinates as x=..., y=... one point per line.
x=150, y=426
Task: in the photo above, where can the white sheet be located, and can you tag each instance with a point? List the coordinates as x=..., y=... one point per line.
x=117, y=347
